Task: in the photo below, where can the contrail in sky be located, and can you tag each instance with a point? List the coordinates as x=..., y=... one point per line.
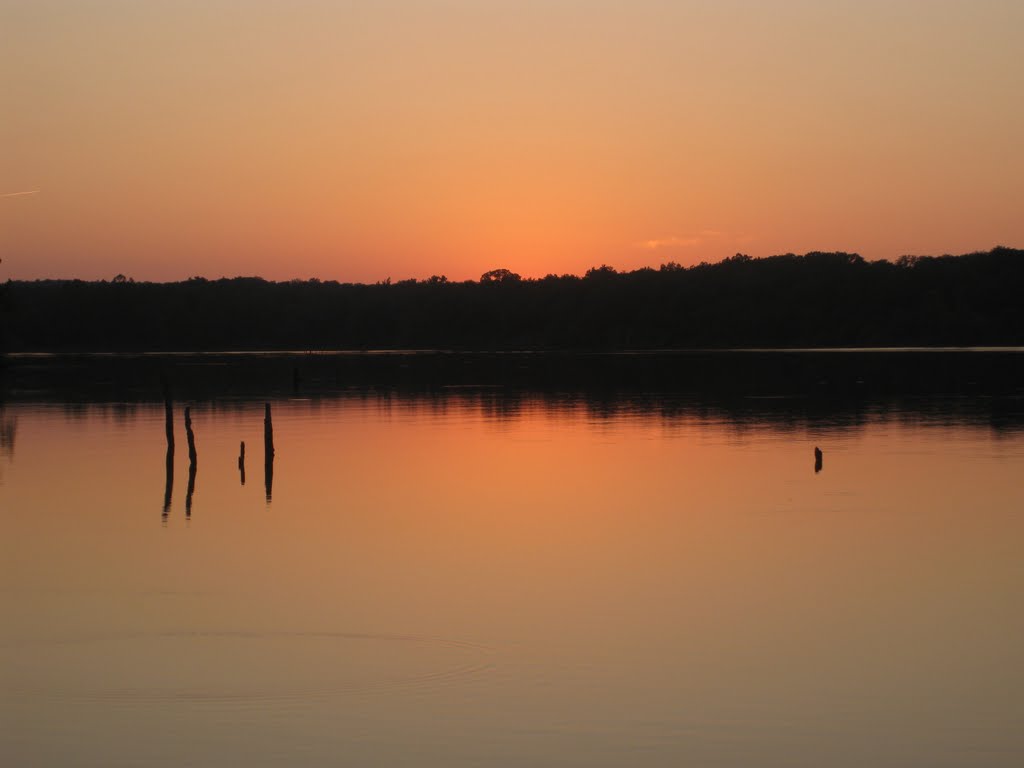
x=20, y=194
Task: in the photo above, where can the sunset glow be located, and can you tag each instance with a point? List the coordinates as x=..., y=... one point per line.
x=361, y=141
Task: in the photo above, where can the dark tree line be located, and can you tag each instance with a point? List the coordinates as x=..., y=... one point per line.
x=819, y=299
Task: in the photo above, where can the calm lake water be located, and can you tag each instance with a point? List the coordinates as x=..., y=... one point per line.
x=469, y=579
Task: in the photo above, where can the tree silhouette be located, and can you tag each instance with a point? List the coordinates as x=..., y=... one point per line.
x=500, y=276
x=820, y=299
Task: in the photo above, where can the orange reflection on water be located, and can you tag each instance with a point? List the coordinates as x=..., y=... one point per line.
x=456, y=582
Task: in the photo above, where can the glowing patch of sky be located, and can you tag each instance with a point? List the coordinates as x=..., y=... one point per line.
x=358, y=141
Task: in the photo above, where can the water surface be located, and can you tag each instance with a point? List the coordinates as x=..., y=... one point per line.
x=472, y=578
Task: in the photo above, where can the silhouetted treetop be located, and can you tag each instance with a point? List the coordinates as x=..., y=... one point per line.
x=500, y=276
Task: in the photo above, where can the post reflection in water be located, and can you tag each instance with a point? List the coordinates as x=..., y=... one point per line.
x=168, y=482
x=190, y=490
x=169, y=436
x=190, y=436
x=241, y=462
x=8, y=431
x=192, y=462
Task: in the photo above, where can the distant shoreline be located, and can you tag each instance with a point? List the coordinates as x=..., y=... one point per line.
x=814, y=302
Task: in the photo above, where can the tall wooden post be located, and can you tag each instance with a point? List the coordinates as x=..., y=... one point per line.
x=192, y=462
x=268, y=451
x=169, y=434
x=168, y=417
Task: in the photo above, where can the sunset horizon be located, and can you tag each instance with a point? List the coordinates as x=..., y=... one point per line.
x=352, y=142
x=428, y=274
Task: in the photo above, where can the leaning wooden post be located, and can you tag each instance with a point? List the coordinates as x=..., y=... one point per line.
x=268, y=451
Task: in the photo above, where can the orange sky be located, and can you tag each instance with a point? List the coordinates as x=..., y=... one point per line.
x=359, y=141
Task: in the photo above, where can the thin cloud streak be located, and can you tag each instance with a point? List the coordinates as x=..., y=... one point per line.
x=669, y=242
x=21, y=194
x=680, y=241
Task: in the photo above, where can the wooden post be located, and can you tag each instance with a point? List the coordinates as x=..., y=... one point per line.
x=268, y=451
x=169, y=433
x=168, y=417
x=268, y=431
x=191, y=437
x=241, y=461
